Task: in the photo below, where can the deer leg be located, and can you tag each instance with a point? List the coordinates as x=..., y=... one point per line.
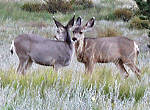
x=21, y=66
x=18, y=68
x=29, y=64
x=133, y=67
x=89, y=68
x=56, y=68
x=121, y=67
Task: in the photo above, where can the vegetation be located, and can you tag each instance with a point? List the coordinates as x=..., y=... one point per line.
x=123, y=13
x=136, y=22
x=54, y=6
x=44, y=89
x=144, y=7
x=108, y=32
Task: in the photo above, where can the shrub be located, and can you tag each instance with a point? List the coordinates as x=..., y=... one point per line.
x=124, y=14
x=81, y=4
x=136, y=22
x=108, y=32
x=32, y=7
x=144, y=7
x=54, y=6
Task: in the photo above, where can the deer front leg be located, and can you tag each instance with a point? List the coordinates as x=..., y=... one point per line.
x=122, y=69
x=135, y=69
x=89, y=68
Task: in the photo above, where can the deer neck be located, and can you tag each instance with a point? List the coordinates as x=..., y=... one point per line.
x=79, y=47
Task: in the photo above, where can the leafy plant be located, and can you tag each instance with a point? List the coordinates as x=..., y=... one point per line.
x=54, y=6
x=108, y=32
x=124, y=14
x=136, y=22
x=144, y=7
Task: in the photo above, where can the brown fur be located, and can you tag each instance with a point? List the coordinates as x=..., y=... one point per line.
x=119, y=50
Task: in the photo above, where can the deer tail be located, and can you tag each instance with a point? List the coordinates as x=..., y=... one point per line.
x=137, y=51
x=12, y=47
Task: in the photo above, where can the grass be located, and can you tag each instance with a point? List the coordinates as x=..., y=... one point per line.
x=44, y=89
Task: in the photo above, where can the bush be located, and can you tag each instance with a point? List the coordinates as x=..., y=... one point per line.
x=136, y=22
x=81, y=4
x=124, y=14
x=108, y=32
x=32, y=7
x=54, y=6
x=144, y=7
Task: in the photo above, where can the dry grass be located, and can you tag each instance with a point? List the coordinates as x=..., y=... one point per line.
x=108, y=32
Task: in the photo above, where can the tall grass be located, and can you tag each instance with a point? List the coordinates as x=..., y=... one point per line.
x=44, y=88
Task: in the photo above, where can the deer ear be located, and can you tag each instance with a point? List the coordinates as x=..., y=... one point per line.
x=71, y=23
x=58, y=24
x=89, y=24
x=78, y=22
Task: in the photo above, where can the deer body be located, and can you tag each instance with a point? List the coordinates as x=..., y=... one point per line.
x=119, y=50
x=34, y=48
x=43, y=51
x=104, y=50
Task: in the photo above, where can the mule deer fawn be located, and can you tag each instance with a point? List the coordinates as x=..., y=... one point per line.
x=34, y=48
x=119, y=50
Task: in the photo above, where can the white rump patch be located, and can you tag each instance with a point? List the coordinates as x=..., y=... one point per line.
x=12, y=47
x=136, y=48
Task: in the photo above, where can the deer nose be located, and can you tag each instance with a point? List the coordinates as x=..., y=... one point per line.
x=74, y=39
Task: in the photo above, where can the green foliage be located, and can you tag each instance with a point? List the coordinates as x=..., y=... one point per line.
x=137, y=23
x=54, y=6
x=81, y=4
x=48, y=79
x=144, y=7
x=108, y=32
x=32, y=7
x=123, y=13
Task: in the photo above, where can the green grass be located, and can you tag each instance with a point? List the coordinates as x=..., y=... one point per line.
x=13, y=11
x=46, y=78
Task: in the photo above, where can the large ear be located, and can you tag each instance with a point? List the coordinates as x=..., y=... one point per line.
x=71, y=22
x=89, y=24
x=58, y=24
x=78, y=22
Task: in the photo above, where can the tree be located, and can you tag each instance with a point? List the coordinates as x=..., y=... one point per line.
x=144, y=7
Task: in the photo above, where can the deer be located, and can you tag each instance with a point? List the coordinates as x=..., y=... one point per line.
x=118, y=50
x=44, y=51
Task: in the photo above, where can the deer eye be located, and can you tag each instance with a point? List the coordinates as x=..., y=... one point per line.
x=58, y=31
x=80, y=32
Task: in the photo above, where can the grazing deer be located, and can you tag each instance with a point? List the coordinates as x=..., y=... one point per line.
x=119, y=50
x=33, y=48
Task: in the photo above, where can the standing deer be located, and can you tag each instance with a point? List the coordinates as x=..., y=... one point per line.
x=119, y=50
x=33, y=48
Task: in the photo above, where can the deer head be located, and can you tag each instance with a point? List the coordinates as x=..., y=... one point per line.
x=78, y=32
x=63, y=31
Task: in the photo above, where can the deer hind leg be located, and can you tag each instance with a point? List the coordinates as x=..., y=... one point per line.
x=89, y=68
x=56, y=68
x=121, y=67
x=28, y=64
x=23, y=62
x=135, y=69
x=20, y=68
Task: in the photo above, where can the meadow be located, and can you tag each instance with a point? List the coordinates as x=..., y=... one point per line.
x=70, y=89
